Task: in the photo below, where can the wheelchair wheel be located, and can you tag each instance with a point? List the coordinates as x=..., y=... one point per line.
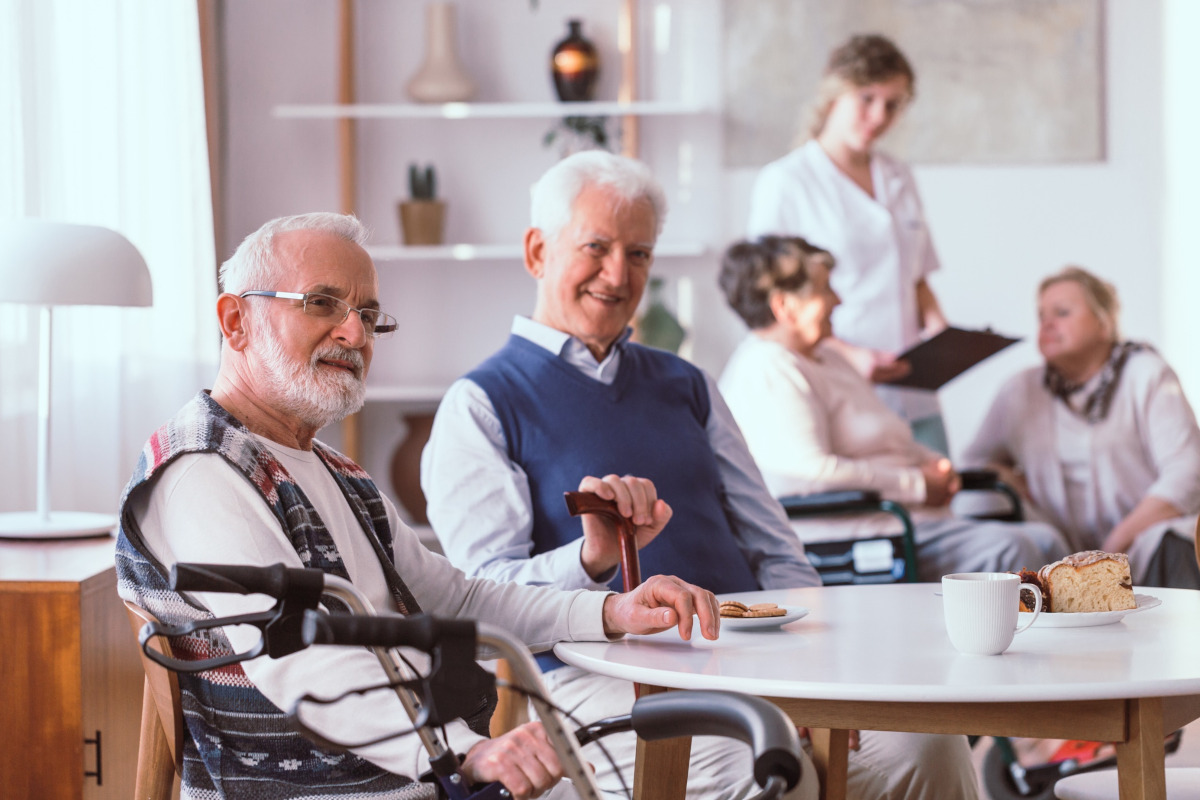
x=999, y=783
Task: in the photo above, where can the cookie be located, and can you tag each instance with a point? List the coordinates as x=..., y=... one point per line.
x=763, y=606
x=767, y=612
x=734, y=609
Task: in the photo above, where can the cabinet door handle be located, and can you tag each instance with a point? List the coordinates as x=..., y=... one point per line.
x=99, y=773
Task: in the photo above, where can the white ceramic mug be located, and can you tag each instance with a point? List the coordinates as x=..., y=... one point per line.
x=981, y=610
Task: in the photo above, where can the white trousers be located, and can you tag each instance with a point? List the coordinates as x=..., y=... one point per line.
x=888, y=766
x=969, y=545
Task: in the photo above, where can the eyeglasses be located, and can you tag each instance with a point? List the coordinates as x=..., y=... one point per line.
x=323, y=306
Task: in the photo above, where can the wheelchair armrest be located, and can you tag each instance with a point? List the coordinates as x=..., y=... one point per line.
x=979, y=479
x=851, y=501
x=988, y=480
x=806, y=505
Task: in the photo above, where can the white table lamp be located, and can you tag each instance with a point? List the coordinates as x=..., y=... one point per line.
x=49, y=264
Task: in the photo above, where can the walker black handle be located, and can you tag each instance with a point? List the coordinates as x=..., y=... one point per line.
x=282, y=583
x=761, y=724
x=295, y=590
x=419, y=631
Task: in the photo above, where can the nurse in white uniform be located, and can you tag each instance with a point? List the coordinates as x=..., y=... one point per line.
x=862, y=206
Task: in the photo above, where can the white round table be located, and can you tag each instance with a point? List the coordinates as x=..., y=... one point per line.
x=878, y=658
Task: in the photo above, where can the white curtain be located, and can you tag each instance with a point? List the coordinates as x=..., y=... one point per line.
x=102, y=122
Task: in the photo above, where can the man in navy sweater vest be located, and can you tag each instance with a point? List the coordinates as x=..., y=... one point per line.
x=569, y=401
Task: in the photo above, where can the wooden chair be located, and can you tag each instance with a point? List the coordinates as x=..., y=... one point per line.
x=160, y=745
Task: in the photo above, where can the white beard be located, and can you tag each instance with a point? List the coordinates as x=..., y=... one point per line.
x=315, y=395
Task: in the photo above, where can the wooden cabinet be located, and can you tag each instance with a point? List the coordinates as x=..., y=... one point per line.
x=70, y=678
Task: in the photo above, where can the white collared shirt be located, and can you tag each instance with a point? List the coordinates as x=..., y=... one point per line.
x=882, y=247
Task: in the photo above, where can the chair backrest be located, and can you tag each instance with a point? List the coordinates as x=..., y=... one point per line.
x=160, y=744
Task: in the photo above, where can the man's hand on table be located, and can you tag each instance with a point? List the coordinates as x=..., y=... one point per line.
x=637, y=500
x=662, y=602
x=522, y=759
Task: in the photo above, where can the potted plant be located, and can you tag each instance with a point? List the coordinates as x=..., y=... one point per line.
x=422, y=216
x=579, y=133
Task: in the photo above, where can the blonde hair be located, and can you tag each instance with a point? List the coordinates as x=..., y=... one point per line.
x=1100, y=295
x=863, y=60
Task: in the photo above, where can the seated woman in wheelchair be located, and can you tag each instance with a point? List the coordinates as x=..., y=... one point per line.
x=814, y=424
x=1101, y=440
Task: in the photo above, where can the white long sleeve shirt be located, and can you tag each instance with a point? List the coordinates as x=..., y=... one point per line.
x=1087, y=478
x=815, y=425
x=202, y=510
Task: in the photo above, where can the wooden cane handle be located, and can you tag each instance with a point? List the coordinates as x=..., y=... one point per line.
x=590, y=503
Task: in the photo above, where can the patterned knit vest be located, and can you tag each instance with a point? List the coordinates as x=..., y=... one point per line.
x=239, y=744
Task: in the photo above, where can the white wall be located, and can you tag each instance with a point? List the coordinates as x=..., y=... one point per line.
x=1180, y=286
x=998, y=229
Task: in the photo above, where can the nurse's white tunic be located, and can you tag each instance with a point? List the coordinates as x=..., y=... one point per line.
x=882, y=246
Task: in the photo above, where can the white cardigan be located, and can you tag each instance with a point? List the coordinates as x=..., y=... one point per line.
x=814, y=425
x=1148, y=444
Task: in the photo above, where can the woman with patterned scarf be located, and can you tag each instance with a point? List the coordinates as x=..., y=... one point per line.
x=1101, y=440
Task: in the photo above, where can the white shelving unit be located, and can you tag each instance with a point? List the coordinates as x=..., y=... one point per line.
x=505, y=252
x=412, y=395
x=487, y=110
x=418, y=265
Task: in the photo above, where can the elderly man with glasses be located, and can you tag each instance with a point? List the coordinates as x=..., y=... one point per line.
x=237, y=477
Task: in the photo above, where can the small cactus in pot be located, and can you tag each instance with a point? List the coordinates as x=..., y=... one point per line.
x=422, y=216
x=422, y=183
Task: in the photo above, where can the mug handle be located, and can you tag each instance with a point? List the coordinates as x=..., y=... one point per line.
x=1037, y=603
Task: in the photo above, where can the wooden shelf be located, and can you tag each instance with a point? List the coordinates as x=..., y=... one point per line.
x=644, y=108
x=406, y=394
x=503, y=252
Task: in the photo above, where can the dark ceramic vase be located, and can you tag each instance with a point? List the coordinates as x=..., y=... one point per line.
x=574, y=65
x=406, y=466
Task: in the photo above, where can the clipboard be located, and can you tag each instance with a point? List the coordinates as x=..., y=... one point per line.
x=938, y=360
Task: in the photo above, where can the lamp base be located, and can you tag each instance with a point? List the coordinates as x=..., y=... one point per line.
x=56, y=525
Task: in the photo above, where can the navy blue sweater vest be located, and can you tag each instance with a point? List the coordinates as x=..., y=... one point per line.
x=560, y=425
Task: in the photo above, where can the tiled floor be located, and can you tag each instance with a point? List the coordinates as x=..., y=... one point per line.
x=1188, y=754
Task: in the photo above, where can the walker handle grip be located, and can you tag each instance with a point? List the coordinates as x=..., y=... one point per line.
x=419, y=631
x=278, y=581
x=758, y=722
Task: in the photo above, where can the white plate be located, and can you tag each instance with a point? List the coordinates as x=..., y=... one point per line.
x=1088, y=619
x=759, y=623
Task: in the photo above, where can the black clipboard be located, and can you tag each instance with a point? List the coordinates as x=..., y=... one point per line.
x=938, y=360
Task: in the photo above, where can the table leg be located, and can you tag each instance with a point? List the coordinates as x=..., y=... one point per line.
x=661, y=768
x=831, y=754
x=1141, y=771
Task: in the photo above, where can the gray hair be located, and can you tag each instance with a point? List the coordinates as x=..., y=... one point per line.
x=554, y=194
x=254, y=266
